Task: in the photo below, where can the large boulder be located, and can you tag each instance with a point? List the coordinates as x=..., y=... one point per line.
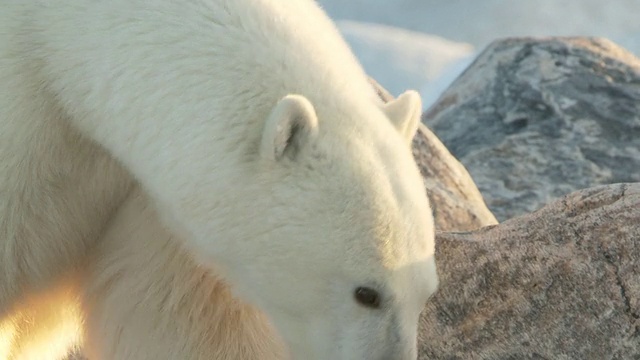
x=560, y=283
x=533, y=120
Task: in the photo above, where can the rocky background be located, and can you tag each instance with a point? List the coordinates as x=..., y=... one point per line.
x=534, y=121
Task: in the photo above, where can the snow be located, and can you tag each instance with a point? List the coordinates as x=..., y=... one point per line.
x=425, y=44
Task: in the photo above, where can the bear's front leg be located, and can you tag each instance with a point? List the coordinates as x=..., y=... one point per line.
x=57, y=192
x=145, y=298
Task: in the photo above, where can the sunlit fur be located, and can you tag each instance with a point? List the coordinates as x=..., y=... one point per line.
x=43, y=326
x=173, y=95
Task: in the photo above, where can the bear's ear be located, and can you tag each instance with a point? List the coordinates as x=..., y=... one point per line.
x=404, y=113
x=292, y=121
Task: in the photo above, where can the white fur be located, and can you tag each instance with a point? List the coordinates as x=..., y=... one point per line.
x=255, y=133
x=179, y=309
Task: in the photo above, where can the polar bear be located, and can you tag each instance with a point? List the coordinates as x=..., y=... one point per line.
x=258, y=140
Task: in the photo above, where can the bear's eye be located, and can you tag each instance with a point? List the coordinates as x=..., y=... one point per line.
x=367, y=297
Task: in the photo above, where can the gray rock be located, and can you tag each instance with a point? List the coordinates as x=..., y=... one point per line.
x=560, y=283
x=533, y=120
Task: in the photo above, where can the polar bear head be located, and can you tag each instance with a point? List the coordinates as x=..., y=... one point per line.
x=340, y=245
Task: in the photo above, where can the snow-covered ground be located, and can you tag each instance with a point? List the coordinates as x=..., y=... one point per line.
x=425, y=44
